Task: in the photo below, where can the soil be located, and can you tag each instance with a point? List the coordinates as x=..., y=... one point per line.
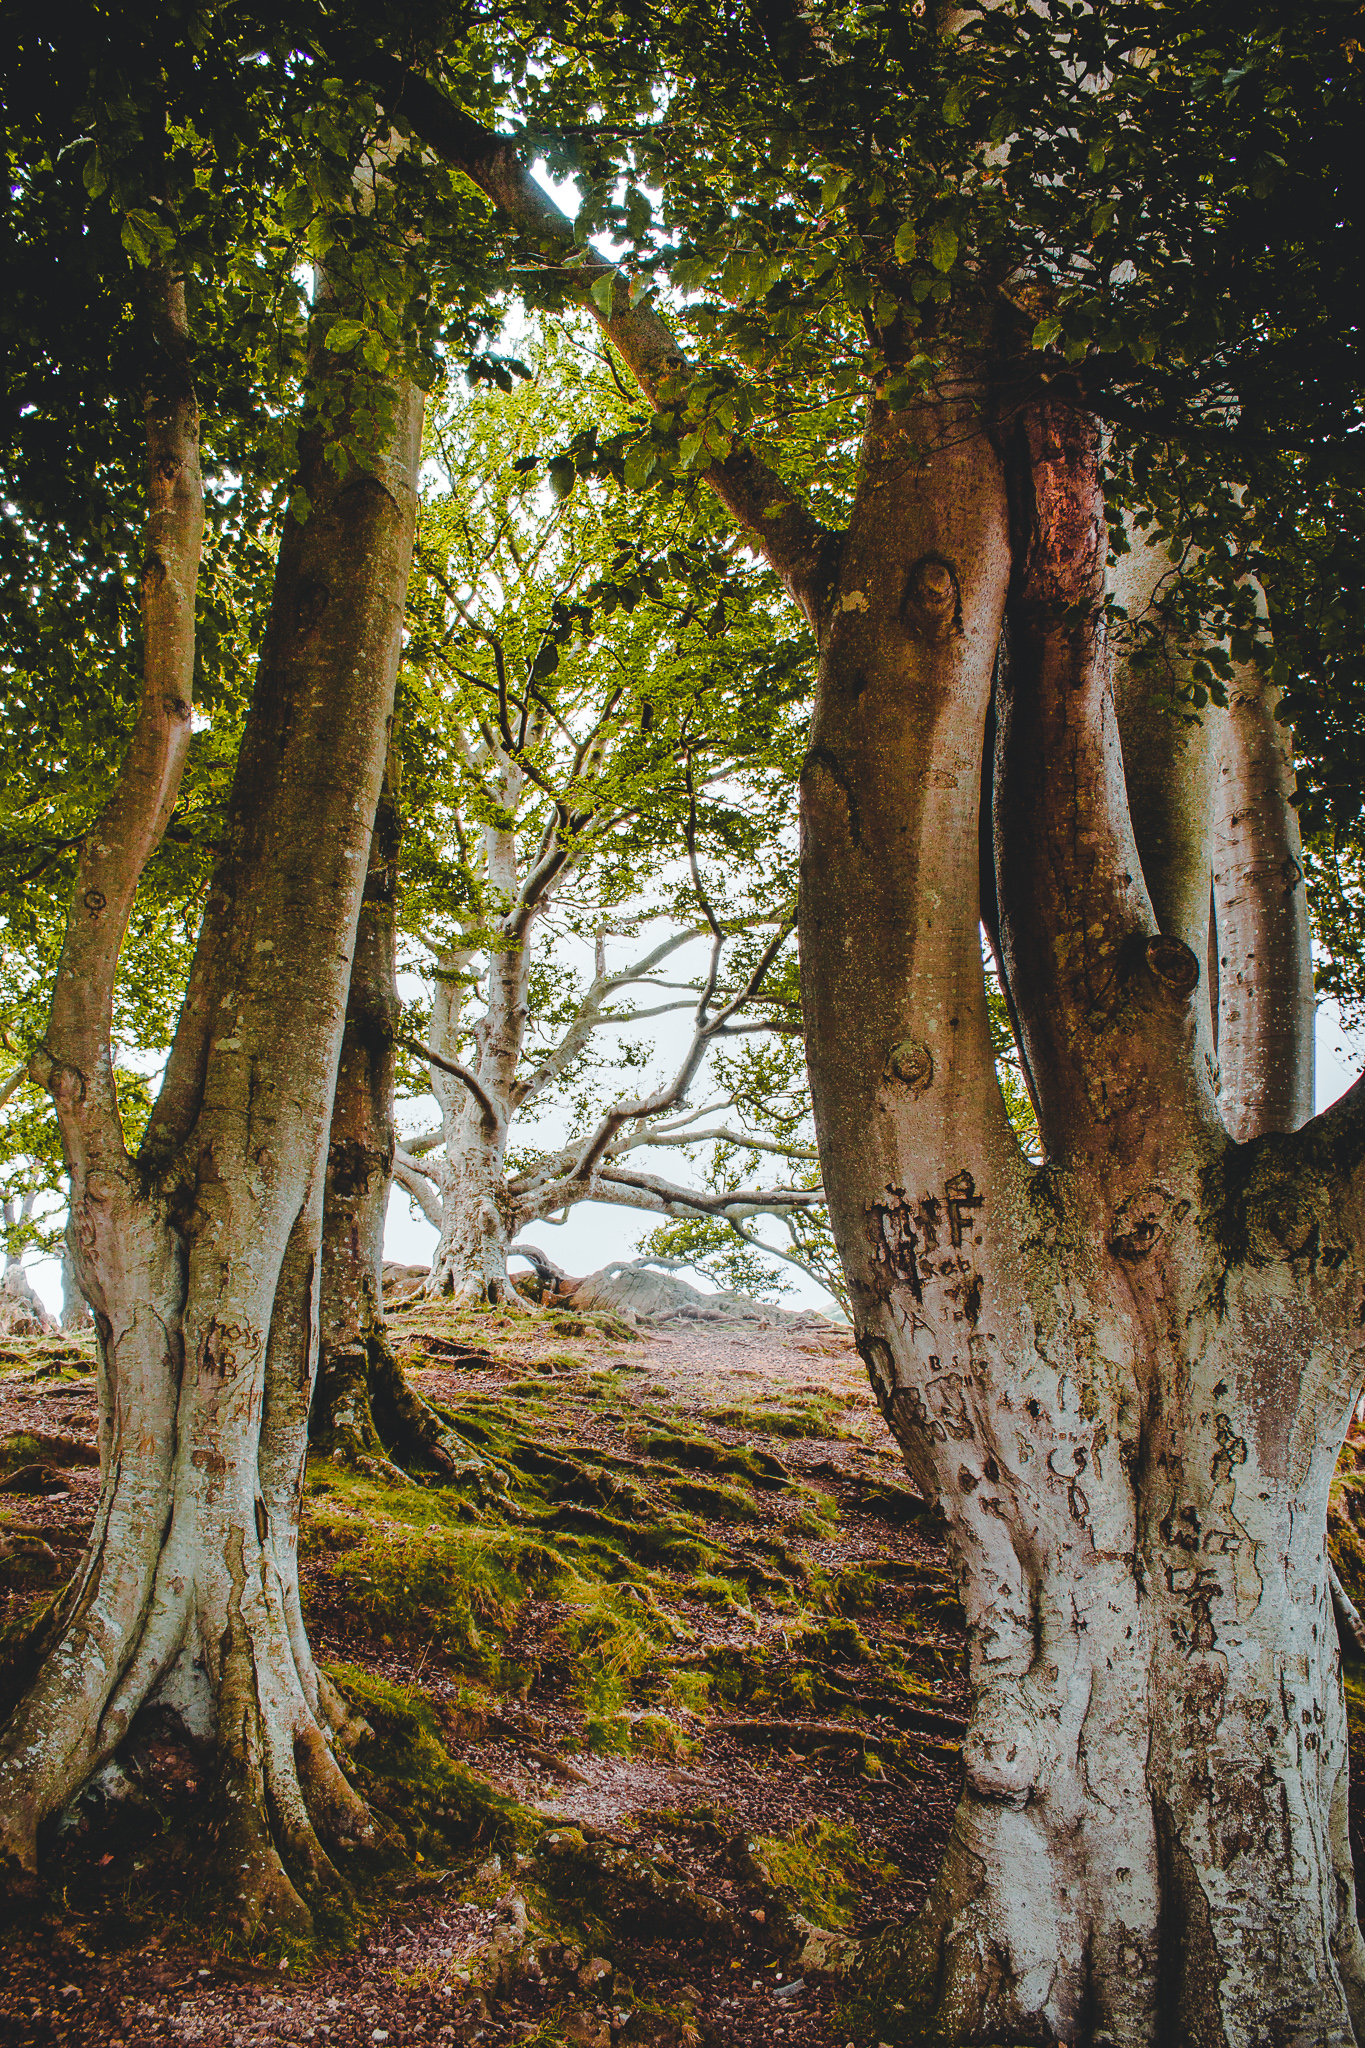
x=689, y=1663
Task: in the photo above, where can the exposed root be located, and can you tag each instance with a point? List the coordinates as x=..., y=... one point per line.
x=366, y=1415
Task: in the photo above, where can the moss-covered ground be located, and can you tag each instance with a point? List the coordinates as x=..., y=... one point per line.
x=670, y=1678
x=672, y=1673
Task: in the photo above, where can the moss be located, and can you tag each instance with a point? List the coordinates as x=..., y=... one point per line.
x=703, y=1454
x=841, y=1642
x=821, y=1869
x=817, y=1418
x=725, y=1503
x=817, y=1516
x=404, y=1769
x=18, y=1450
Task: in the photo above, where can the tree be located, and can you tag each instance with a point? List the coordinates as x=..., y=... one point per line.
x=603, y=731
x=199, y=1253
x=1057, y=252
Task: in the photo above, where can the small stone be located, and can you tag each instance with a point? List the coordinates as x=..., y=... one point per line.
x=380, y=2034
x=597, y=1970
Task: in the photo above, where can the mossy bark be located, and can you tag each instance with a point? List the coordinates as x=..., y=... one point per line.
x=364, y=1411
x=200, y=1257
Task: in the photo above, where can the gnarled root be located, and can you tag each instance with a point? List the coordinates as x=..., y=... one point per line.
x=366, y=1414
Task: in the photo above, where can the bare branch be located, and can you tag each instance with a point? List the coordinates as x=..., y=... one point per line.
x=742, y=1140
x=490, y=1119
x=586, y=1020
x=623, y=1189
x=413, y=1184
x=676, y=1090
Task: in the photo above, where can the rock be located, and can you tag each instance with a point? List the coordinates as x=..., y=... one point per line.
x=597, y=1970
x=646, y=1292
x=22, y=1313
x=587, y=2030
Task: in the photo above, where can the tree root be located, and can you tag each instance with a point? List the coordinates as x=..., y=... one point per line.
x=365, y=1414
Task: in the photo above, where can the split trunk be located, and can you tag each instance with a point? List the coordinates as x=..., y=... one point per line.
x=1126, y=1372
x=200, y=1258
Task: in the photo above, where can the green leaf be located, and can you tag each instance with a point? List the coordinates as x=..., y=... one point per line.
x=1047, y=330
x=344, y=335
x=603, y=292
x=562, y=476
x=906, y=242
x=943, y=249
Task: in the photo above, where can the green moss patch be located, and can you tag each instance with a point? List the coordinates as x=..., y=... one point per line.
x=821, y=1869
x=403, y=1768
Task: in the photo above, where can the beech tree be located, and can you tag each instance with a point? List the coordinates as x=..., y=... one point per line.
x=604, y=723
x=199, y=1252
x=1069, y=267
x=1058, y=253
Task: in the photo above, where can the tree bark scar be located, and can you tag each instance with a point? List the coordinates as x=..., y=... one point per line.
x=894, y=1249
x=932, y=604
x=821, y=757
x=1174, y=966
x=911, y=1062
x=1065, y=541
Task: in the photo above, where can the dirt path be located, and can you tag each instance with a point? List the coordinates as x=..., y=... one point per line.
x=680, y=1676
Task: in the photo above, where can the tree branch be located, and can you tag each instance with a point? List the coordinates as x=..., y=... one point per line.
x=802, y=552
x=490, y=1119
x=74, y=1062
x=624, y=1189
x=588, y=1016
x=1102, y=997
x=413, y=1183
x=1265, y=956
x=675, y=1091
x=741, y=1140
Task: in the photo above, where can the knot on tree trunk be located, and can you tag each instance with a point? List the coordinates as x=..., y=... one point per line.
x=1173, y=966
x=932, y=605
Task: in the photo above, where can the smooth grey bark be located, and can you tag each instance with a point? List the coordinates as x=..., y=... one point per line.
x=1125, y=1374
x=1266, y=1006
x=200, y=1258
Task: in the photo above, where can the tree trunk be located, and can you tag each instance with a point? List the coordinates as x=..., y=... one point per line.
x=75, y=1307
x=477, y=1221
x=364, y=1411
x=470, y=1259
x=1126, y=1373
x=201, y=1258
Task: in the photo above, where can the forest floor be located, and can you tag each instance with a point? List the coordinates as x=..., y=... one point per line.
x=678, y=1680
